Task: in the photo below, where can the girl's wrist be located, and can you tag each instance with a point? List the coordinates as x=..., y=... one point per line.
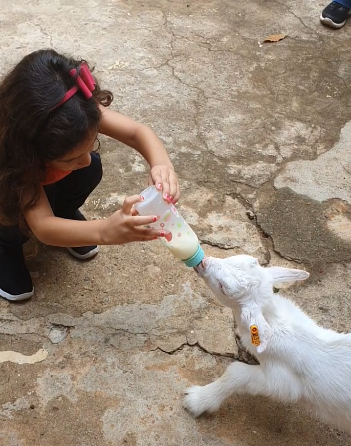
x=103, y=232
x=167, y=164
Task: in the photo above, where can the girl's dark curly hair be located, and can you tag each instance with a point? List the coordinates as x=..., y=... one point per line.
x=33, y=132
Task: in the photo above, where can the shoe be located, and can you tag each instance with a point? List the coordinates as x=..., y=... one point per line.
x=82, y=252
x=15, y=281
x=335, y=15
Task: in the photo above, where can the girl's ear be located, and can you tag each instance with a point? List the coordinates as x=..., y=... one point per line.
x=260, y=330
x=280, y=274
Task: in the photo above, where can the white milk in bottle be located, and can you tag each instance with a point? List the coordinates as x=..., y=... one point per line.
x=181, y=240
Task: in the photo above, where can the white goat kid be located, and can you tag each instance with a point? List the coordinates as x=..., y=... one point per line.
x=299, y=361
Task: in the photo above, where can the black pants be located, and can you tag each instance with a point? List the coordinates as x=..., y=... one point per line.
x=65, y=197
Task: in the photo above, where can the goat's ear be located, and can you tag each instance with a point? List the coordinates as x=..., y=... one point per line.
x=280, y=274
x=260, y=330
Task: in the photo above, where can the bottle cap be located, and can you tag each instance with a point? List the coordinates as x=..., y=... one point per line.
x=151, y=198
x=149, y=194
x=195, y=259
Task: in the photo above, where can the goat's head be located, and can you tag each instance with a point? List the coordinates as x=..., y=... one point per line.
x=240, y=281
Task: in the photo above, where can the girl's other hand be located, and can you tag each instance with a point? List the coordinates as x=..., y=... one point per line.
x=165, y=179
x=124, y=226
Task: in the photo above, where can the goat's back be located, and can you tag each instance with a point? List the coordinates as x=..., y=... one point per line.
x=304, y=362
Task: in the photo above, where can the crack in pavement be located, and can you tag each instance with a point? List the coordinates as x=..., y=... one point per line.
x=200, y=347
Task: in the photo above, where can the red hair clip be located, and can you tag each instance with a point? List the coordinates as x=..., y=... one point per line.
x=85, y=83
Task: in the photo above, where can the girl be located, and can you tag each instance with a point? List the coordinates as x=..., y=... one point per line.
x=51, y=113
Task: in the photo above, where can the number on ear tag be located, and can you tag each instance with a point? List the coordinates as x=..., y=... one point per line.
x=255, y=337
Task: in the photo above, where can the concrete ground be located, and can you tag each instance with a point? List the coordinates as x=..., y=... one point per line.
x=260, y=135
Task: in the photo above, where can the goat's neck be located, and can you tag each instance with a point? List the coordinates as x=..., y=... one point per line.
x=260, y=300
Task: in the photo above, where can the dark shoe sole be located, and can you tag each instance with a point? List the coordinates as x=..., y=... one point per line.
x=86, y=256
x=329, y=22
x=19, y=297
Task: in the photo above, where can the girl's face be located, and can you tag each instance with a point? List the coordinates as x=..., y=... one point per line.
x=77, y=158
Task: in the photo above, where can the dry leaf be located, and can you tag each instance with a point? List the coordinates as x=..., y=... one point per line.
x=274, y=37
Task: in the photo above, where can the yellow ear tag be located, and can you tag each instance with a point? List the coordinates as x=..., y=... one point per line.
x=255, y=337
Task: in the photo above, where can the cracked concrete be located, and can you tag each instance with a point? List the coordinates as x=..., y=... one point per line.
x=260, y=136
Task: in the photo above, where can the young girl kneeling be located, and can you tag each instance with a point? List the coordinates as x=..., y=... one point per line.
x=51, y=113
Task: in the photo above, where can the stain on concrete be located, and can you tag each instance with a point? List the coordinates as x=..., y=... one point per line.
x=326, y=177
x=19, y=358
x=303, y=229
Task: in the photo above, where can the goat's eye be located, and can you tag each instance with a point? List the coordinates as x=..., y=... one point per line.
x=221, y=287
x=254, y=263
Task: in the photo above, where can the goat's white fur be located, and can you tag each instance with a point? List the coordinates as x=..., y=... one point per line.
x=299, y=361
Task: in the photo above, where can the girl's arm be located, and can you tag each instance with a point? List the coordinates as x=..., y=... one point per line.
x=121, y=227
x=144, y=140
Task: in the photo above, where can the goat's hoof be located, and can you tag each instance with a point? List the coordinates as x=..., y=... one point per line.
x=196, y=401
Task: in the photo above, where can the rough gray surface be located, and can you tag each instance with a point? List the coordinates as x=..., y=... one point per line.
x=260, y=138
x=330, y=171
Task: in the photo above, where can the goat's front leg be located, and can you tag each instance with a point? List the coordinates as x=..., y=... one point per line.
x=238, y=378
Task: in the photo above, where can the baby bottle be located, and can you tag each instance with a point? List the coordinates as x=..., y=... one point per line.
x=181, y=239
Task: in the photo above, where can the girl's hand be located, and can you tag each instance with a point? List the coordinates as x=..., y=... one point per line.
x=165, y=179
x=124, y=226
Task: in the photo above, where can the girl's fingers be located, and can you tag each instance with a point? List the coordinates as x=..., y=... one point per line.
x=156, y=178
x=146, y=239
x=160, y=178
x=134, y=212
x=174, y=192
x=149, y=232
x=165, y=179
x=177, y=196
x=165, y=185
x=151, y=182
x=144, y=220
x=128, y=203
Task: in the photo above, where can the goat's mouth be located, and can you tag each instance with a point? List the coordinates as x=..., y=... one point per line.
x=199, y=268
